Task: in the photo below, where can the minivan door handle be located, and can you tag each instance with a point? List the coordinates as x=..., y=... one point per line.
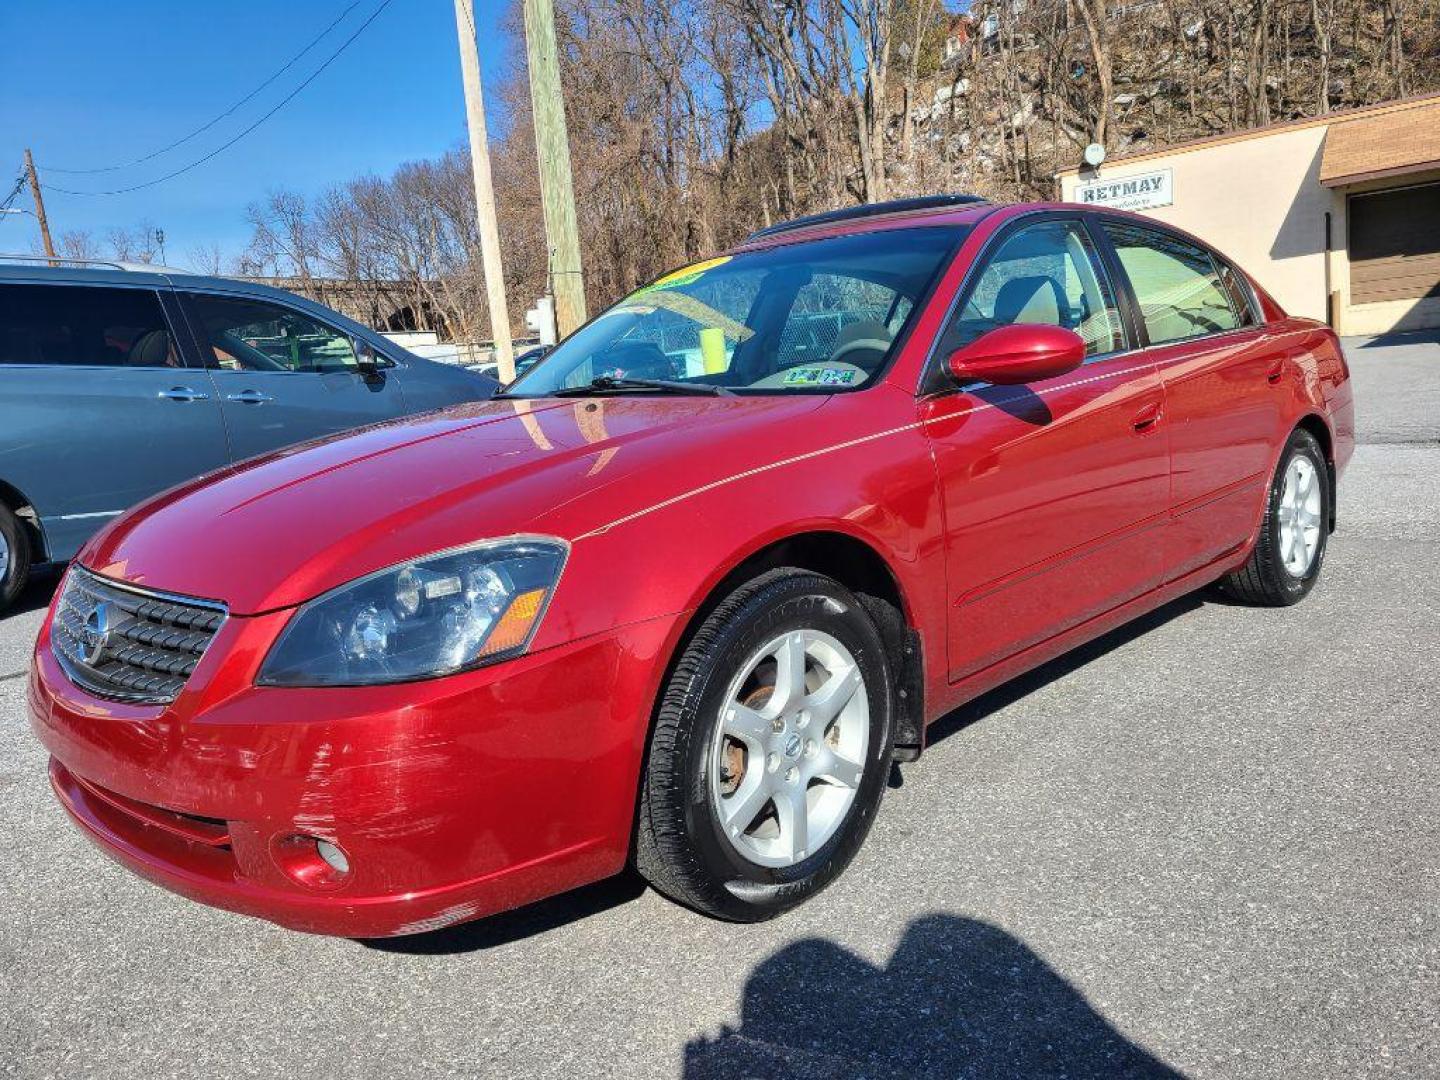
x=249, y=397
x=182, y=393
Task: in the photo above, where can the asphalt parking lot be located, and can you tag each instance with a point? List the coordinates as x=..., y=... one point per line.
x=1208, y=844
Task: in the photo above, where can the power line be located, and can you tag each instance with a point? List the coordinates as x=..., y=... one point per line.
x=225, y=146
x=215, y=120
x=9, y=200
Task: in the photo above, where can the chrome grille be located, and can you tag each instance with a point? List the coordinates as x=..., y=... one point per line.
x=130, y=644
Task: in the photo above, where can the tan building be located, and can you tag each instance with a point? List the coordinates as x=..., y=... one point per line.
x=1338, y=217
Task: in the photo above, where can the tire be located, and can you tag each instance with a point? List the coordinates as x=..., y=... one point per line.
x=14, y=558
x=1274, y=575
x=747, y=869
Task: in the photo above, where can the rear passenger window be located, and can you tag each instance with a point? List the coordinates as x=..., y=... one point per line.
x=1177, y=284
x=84, y=326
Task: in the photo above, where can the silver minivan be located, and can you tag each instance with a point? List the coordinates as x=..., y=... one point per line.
x=116, y=383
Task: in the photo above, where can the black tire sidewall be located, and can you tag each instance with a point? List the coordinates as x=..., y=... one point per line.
x=1302, y=444
x=18, y=570
x=808, y=602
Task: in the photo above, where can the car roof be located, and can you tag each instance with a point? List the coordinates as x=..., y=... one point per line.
x=922, y=217
x=966, y=214
x=32, y=270
x=36, y=269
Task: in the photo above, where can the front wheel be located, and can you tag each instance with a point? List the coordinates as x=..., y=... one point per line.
x=14, y=557
x=1288, y=554
x=771, y=749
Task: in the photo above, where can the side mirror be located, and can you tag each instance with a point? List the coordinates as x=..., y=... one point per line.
x=367, y=361
x=1019, y=353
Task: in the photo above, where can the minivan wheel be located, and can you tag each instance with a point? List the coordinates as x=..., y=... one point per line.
x=14, y=557
x=771, y=749
x=1290, y=550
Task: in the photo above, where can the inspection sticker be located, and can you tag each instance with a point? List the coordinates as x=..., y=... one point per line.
x=820, y=376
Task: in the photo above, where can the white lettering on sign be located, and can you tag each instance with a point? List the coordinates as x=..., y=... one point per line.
x=1142, y=192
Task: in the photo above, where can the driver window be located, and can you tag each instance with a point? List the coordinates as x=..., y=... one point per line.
x=1045, y=273
x=239, y=334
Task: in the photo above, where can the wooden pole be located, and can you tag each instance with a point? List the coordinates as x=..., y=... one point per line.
x=484, y=191
x=552, y=144
x=39, y=204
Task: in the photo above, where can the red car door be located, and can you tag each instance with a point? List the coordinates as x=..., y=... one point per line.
x=1217, y=364
x=1055, y=494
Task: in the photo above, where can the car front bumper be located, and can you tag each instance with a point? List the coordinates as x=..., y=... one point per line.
x=450, y=799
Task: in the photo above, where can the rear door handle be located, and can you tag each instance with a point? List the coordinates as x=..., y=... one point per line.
x=182, y=393
x=1146, y=419
x=249, y=397
x=1276, y=372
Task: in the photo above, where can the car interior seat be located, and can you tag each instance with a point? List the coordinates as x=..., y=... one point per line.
x=152, y=349
x=1035, y=299
x=863, y=344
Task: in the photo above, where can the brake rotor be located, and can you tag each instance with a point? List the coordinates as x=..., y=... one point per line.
x=735, y=757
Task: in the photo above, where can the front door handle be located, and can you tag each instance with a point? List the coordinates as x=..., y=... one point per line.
x=182, y=393
x=1146, y=419
x=249, y=397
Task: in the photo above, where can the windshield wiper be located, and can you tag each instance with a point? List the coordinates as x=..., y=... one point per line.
x=616, y=384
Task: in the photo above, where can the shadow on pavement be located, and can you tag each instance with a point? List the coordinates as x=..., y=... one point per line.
x=959, y=998
x=1403, y=337
x=511, y=926
x=1022, y=685
x=37, y=592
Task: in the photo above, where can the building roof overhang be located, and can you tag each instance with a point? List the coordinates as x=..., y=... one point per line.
x=1382, y=145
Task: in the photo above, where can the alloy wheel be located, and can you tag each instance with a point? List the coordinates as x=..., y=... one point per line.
x=790, y=747
x=1299, y=513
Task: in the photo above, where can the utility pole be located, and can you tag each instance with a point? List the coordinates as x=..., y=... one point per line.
x=552, y=144
x=484, y=191
x=39, y=204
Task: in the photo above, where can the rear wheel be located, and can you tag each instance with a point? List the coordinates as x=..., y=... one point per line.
x=770, y=751
x=14, y=557
x=1289, y=552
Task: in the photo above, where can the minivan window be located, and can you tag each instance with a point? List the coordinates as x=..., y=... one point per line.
x=84, y=326
x=240, y=334
x=1176, y=284
x=1046, y=273
x=813, y=316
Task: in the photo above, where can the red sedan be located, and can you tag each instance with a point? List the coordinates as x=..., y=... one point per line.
x=679, y=597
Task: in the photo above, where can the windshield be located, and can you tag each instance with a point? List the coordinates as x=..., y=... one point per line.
x=820, y=316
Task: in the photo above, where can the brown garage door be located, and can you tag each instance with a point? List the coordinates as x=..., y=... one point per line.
x=1395, y=244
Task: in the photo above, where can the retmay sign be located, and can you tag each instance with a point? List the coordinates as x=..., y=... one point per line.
x=1144, y=191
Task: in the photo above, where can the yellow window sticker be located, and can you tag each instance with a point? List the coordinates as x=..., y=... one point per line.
x=686, y=275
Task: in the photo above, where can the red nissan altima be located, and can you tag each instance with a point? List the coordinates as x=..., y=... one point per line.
x=678, y=598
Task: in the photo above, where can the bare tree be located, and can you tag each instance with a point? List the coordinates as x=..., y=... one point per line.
x=78, y=244
x=207, y=259
x=694, y=121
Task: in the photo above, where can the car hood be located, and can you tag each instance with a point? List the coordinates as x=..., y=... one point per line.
x=280, y=529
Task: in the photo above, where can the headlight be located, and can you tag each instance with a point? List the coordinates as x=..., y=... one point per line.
x=437, y=615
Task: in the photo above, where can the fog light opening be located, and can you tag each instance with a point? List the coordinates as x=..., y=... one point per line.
x=311, y=862
x=334, y=857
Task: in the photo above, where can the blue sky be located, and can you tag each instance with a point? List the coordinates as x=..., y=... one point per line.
x=89, y=83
